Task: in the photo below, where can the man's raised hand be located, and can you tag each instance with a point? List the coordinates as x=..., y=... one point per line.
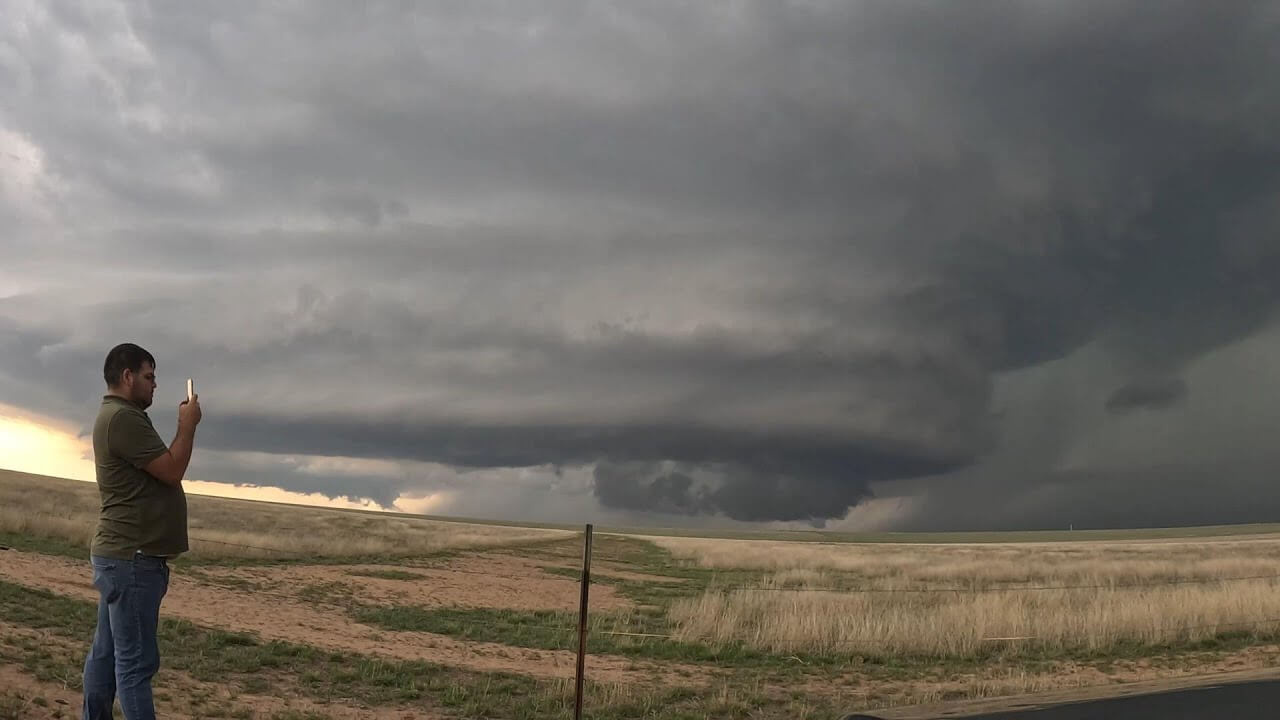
x=189, y=412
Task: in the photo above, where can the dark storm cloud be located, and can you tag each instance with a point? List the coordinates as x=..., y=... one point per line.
x=1152, y=497
x=645, y=486
x=293, y=477
x=60, y=384
x=744, y=260
x=743, y=491
x=526, y=445
x=1152, y=393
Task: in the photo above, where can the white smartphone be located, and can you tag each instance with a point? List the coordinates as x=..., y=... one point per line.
x=191, y=390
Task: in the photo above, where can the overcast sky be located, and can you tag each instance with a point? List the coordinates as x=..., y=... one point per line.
x=877, y=264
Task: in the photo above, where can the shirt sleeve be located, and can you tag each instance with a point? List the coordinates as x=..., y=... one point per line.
x=133, y=438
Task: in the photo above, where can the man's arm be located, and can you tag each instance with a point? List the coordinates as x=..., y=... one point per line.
x=171, y=466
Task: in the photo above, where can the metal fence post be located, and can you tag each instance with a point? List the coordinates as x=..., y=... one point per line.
x=582, y=622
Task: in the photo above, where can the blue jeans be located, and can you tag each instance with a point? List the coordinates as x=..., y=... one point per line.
x=125, y=656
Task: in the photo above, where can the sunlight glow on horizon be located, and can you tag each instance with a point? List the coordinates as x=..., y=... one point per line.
x=40, y=446
x=32, y=444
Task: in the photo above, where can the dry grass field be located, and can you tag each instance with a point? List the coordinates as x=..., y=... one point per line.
x=225, y=528
x=339, y=614
x=956, y=600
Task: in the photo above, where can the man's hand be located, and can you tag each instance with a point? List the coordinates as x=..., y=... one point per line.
x=189, y=412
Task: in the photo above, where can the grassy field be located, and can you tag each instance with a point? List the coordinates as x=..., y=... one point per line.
x=359, y=615
x=66, y=512
x=958, y=600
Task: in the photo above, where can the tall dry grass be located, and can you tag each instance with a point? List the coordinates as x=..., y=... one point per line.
x=983, y=565
x=964, y=601
x=224, y=528
x=968, y=624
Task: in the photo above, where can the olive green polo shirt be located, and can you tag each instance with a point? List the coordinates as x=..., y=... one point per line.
x=139, y=513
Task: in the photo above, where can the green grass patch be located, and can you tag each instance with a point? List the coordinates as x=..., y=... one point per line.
x=44, y=610
x=33, y=657
x=245, y=663
x=543, y=629
x=387, y=575
x=571, y=573
x=225, y=581
x=552, y=630
x=16, y=707
x=195, y=559
x=241, y=659
x=655, y=593
x=642, y=556
x=328, y=593
x=44, y=545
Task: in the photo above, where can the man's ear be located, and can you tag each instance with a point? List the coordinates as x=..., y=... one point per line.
x=126, y=378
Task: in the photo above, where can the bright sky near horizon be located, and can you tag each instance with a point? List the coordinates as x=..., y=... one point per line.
x=41, y=446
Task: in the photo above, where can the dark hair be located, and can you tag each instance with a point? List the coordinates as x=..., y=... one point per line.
x=125, y=356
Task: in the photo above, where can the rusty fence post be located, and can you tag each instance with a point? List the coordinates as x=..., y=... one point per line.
x=582, y=622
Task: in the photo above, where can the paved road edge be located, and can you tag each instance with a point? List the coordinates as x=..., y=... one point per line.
x=966, y=708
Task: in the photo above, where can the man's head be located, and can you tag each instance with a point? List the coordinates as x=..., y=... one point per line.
x=130, y=372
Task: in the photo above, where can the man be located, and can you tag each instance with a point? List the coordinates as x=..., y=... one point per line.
x=142, y=524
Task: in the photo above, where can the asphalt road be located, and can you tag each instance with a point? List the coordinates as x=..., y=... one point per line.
x=1238, y=701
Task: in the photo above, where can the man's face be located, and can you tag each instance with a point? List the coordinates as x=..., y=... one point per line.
x=141, y=385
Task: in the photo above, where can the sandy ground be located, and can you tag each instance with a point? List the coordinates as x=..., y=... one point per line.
x=280, y=617
x=178, y=695
x=19, y=690
x=494, y=581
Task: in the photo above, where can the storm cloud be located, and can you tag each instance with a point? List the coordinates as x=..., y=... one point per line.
x=1151, y=393
x=760, y=261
